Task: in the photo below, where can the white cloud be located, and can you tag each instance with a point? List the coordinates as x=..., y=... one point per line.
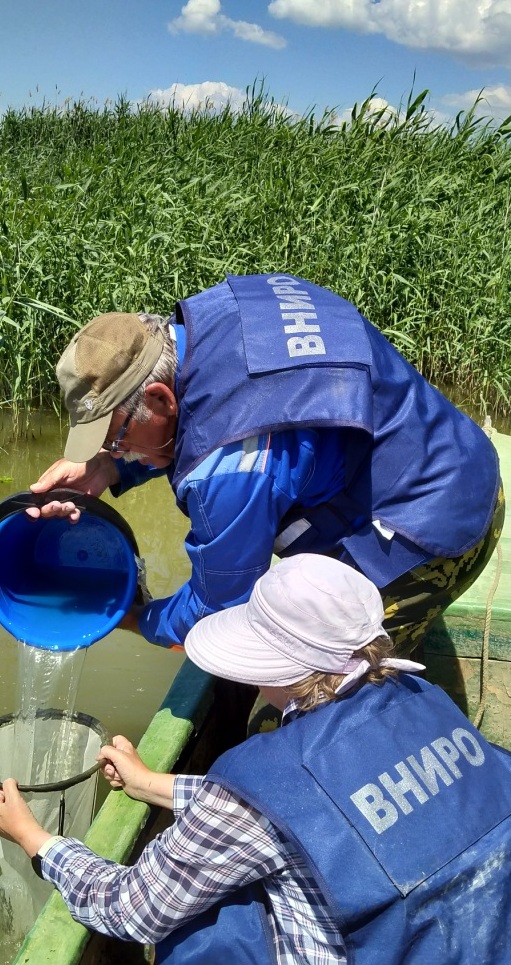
x=376, y=105
x=205, y=17
x=215, y=95
x=469, y=29
x=495, y=101
x=210, y=94
x=197, y=16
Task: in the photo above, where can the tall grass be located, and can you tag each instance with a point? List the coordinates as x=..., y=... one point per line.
x=119, y=209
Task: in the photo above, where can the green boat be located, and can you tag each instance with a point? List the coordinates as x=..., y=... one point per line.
x=467, y=651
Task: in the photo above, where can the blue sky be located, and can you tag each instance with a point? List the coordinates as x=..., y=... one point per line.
x=309, y=53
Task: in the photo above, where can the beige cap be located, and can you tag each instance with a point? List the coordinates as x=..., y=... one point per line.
x=102, y=365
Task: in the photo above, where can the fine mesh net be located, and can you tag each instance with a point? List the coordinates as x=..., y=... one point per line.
x=61, y=797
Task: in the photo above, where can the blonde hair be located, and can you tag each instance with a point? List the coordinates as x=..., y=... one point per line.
x=319, y=687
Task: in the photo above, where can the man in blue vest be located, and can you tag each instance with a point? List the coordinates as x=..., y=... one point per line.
x=285, y=423
x=373, y=826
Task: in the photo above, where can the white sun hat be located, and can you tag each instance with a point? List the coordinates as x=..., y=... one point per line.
x=307, y=613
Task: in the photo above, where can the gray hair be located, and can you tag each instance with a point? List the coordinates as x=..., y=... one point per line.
x=164, y=370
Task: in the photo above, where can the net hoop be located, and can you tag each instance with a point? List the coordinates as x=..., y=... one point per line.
x=78, y=718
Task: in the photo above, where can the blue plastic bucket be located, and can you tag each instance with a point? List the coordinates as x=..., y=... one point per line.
x=64, y=586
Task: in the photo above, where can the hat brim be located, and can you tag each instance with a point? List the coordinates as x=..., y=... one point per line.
x=225, y=644
x=86, y=438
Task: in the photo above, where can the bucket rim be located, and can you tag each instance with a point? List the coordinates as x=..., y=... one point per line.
x=25, y=499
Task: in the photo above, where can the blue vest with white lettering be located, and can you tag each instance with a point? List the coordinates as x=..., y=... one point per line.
x=401, y=810
x=272, y=352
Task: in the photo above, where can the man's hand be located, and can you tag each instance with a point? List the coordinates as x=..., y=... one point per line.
x=131, y=618
x=123, y=768
x=91, y=478
x=17, y=823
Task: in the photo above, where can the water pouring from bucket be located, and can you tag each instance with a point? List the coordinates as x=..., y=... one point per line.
x=62, y=588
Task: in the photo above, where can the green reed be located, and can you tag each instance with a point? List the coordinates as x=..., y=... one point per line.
x=120, y=209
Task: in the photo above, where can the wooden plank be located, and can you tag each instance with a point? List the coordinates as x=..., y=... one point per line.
x=459, y=637
x=461, y=678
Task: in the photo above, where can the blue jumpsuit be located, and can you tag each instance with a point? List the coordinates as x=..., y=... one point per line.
x=349, y=450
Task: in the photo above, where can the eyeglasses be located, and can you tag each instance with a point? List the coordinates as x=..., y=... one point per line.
x=115, y=446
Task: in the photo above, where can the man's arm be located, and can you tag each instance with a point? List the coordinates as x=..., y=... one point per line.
x=235, y=500
x=91, y=478
x=133, y=474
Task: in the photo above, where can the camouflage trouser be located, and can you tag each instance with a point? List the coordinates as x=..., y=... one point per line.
x=414, y=600
x=417, y=597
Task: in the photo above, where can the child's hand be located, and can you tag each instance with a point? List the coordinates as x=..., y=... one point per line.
x=17, y=823
x=123, y=768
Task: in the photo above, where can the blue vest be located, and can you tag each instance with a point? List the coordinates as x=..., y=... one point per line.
x=401, y=810
x=273, y=352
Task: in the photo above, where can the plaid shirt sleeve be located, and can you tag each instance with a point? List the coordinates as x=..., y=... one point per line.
x=185, y=786
x=217, y=844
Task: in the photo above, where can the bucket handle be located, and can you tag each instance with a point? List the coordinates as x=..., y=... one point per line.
x=82, y=501
x=26, y=500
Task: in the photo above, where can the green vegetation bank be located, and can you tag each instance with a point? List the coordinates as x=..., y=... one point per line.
x=120, y=209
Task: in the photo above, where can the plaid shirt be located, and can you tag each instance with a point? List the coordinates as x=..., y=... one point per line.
x=217, y=844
